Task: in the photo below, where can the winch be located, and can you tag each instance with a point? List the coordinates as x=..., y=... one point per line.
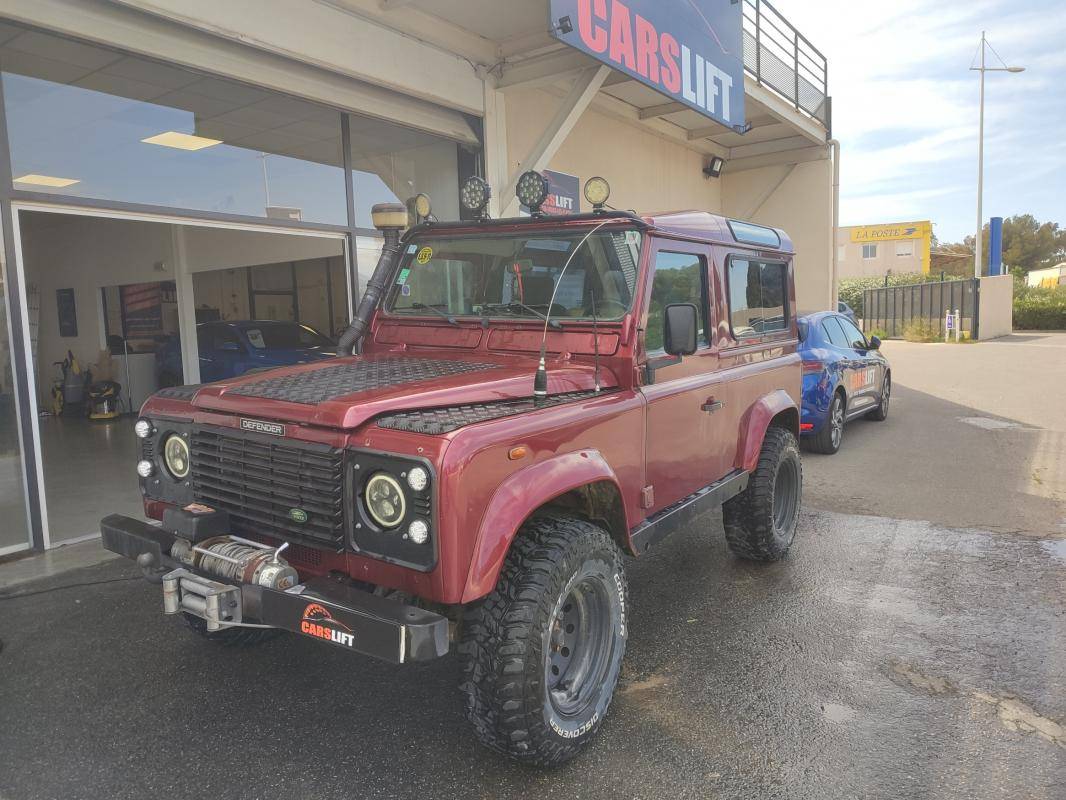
x=229, y=557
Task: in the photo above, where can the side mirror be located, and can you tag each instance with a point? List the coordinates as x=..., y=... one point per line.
x=875, y=343
x=680, y=323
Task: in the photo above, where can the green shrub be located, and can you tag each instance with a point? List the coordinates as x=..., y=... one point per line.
x=922, y=331
x=880, y=333
x=1040, y=308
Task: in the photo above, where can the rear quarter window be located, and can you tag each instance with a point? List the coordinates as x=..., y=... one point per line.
x=758, y=297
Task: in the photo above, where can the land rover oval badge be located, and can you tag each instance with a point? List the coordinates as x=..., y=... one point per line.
x=298, y=515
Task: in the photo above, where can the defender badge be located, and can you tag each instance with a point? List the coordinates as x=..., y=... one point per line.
x=258, y=426
x=298, y=515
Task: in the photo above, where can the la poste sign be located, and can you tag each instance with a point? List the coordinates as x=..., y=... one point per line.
x=690, y=50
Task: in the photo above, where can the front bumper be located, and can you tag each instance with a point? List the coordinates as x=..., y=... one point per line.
x=321, y=608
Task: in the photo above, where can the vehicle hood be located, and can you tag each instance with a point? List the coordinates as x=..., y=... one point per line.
x=346, y=392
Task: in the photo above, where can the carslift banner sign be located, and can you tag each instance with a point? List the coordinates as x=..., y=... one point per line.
x=690, y=50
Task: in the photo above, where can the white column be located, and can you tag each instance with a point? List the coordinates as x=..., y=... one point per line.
x=190, y=352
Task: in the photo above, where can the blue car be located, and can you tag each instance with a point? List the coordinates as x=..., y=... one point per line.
x=232, y=348
x=844, y=377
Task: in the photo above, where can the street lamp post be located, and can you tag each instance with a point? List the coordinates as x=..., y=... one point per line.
x=981, y=147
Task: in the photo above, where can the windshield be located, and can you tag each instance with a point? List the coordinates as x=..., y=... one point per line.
x=285, y=337
x=516, y=275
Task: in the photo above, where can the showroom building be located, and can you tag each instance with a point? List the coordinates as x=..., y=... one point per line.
x=169, y=163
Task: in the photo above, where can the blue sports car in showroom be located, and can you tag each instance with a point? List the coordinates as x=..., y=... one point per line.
x=844, y=377
x=231, y=348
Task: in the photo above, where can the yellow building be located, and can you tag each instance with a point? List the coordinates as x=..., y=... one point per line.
x=865, y=251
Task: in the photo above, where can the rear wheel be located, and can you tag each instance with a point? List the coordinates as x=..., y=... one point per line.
x=760, y=522
x=541, y=654
x=880, y=414
x=828, y=439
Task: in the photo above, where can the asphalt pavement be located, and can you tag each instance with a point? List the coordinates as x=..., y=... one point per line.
x=884, y=658
x=912, y=645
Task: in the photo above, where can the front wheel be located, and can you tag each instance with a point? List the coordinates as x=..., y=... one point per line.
x=880, y=414
x=541, y=654
x=760, y=522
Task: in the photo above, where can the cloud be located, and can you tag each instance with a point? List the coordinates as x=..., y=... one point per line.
x=905, y=107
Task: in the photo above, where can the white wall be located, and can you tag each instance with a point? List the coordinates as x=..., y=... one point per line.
x=803, y=206
x=647, y=173
x=997, y=306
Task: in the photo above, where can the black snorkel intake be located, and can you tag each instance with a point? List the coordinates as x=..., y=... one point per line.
x=390, y=219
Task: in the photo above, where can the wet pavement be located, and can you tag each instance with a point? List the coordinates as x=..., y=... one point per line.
x=884, y=658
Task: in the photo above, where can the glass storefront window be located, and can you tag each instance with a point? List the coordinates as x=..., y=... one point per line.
x=91, y=122
x=14, y=532
x=391, y=164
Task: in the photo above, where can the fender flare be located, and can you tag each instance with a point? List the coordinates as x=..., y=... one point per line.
x=516, y=499
x=755, y=422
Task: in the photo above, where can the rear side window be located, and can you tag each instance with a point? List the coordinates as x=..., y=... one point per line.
x=831, y=326
x=758, y=297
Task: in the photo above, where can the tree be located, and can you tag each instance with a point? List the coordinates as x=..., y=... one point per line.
x=1027, y=243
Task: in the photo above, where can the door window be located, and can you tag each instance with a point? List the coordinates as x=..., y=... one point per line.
x=853, y=334
x=679, y=278
x=758, y=297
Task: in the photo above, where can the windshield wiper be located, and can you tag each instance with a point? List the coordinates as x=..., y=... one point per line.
x=435, y=310
x=513, y=305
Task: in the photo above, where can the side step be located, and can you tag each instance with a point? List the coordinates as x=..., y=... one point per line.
x=672, y=518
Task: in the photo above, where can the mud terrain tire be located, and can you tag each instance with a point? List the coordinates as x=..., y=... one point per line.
x=760, y=522
x=232, y=637
x=541, y=654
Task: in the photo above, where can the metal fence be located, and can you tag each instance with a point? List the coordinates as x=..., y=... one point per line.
x=781, y=58
x=893, y=308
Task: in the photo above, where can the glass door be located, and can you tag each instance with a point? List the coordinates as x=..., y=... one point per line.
x=14, y=530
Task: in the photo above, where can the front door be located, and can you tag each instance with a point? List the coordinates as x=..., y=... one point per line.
x=868, y=373
x=688, y=445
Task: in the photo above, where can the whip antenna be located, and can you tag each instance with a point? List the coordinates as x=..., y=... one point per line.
x=540, y=379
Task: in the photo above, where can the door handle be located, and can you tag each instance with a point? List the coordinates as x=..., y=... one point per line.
x=711, y=406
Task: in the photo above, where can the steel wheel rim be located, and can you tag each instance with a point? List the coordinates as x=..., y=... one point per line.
x=786, y=498
x=836, y=422
x=579, y=647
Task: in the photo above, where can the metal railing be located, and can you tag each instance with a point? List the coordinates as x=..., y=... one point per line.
x=781, y=58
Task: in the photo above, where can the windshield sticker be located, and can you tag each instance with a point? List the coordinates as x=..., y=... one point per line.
x=633, y=238
x=424, y=255
x=405, y=290
x=559, y=246
x=401, y=279
x=411, y=248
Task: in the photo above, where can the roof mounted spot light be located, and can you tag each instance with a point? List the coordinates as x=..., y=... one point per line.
x=597, y=190
x=420, y=208
x=532, y=190
x=475, y=194
x=714, y=167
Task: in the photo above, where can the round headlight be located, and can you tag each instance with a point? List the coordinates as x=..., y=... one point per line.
x=417, y=479
x=384, y=500
x=418, y=532
x=176, y=456
x=143, y=428
x=475, y=194
x=145, y=469
x=532, y=190
x=597, y=190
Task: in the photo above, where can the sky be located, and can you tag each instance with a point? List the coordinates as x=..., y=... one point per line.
x=905, y=107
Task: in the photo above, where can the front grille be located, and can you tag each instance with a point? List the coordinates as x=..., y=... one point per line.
x=265, y=483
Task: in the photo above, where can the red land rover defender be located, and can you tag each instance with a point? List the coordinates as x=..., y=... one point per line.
x=530, y=401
